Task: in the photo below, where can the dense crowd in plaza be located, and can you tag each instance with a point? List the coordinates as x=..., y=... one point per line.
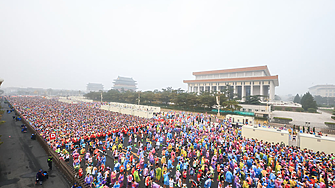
x=168, y=151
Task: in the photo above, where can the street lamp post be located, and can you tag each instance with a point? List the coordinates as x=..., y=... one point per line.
x=218, y=103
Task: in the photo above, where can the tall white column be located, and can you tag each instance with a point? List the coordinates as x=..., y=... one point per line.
x=217, y=87
x=210, y=87
x=198, y=88
x=252, y=89
x=261, y=89
x=272, y=91
x=235, y=90
x=243, y=93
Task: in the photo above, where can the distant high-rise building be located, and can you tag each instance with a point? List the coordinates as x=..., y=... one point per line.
x=323, y=90
x=124, y=83
x=94, y=87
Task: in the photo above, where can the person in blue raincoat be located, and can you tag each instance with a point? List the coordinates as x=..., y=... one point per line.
x=229, y=177
x=166, y=179
x=208, y=183
x=170, y=164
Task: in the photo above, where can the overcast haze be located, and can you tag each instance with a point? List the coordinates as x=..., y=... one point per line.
x=159, y=43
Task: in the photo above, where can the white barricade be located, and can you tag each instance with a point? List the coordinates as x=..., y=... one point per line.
x=266, y=134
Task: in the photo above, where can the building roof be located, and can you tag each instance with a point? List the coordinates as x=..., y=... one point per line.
x=124, y=86
x=245, y=69
x=94, y=84
x=125, y=79
x=322, y=86
x=274, y=78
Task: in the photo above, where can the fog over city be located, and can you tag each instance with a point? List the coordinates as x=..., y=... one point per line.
x=68, y=44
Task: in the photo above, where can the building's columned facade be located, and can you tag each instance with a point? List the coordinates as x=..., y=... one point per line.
x=244, y=81
x=323, y=90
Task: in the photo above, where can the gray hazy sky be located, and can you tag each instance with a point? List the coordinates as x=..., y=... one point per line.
x=159, y=43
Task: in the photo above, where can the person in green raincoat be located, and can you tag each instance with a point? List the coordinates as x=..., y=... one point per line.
x=136, y=176
x=158, y=173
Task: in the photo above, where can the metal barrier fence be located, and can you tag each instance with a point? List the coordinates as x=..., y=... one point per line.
x=65, y=169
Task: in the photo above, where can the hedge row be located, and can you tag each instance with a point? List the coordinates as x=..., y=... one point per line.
x=311, y=110
x=329, y=123
x=261, y=118
x=299, y=109
x=282, y=118
x=333, y=117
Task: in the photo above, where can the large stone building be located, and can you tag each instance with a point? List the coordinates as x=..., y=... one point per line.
x=243, y=81
x=124, y=83
x=94, y=87
x=323, y=90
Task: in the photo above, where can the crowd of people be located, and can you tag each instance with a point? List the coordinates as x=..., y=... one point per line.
x=110, y=149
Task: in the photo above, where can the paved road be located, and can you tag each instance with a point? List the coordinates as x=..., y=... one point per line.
x=299, y=118
x=21, y=158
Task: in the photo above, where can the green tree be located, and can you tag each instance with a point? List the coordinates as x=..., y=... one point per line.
x=231, y=105
x=166, y=95
x=307, y=101
x=255, y=99
x=130, y=96
x=297, y=99
x=207, y=100
x=147, y=97
x=192, y=100
x=180, y=100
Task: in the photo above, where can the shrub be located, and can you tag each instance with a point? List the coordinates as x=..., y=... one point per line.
x=333, y=113
x=333, y=117
x=261, y=118
x=329, y=123
x=288, y=108
x=278, y=108
x=311, y=110
x=299, y=109
x=282, y=118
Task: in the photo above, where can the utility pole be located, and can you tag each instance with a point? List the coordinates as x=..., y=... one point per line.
x=139, y=98
x=101, y=96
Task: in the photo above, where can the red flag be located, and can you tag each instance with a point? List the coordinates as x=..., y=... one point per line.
x=52, y=136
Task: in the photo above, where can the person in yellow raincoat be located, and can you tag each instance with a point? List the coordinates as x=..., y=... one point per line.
x=278, y=167
x=170, y=148
x=245, y=184
x=113, y=147
x=163, y=160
